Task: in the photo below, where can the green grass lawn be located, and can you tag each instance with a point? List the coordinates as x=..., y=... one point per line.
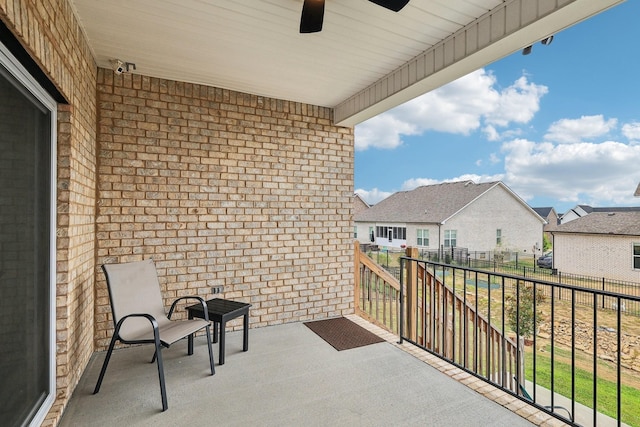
x=606, y=397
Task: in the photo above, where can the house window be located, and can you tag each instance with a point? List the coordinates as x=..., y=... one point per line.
x=423, y=238
x=400, y=233
x=450, y=238
x=372, y=236
x=636, y=256
x=355, y=232
x=498, y=237
x=391, y=233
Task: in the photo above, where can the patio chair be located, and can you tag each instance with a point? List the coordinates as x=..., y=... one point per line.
x=139, y=315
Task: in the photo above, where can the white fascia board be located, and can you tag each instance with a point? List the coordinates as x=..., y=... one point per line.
x=502, y=31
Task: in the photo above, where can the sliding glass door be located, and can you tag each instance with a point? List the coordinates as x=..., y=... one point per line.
x=27, y=374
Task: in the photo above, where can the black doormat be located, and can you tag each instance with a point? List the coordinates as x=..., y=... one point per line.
x=342, y=333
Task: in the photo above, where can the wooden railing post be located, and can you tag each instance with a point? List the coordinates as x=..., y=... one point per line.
x=411, y=293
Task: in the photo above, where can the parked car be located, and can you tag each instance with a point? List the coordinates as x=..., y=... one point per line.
x=546, y=260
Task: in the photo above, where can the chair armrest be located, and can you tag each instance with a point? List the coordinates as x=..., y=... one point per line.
x=150, y=318
x=204, y=305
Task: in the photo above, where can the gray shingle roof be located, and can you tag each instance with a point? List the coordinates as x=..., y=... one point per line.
x=621, y=223
x=543, y=212
x=426, y=204
x=617, y=209
x=359, y=204
x=586, y=208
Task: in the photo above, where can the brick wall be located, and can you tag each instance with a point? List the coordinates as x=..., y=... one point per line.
x=218, y=187
x=50, y=33
x=497, y=209
x=225, y=188
x=597, y=255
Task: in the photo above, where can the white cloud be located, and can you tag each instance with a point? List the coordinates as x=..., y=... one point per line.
x=491, y=133
x=631, y=131
x=461, y=107
x=599, y=174
x=382, y=131
x=373, y=196
x=518, y=103
x=410, y=184
x=570, y=131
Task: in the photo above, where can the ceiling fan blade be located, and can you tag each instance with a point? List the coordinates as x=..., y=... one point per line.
x=312, y=16
x=394, y=5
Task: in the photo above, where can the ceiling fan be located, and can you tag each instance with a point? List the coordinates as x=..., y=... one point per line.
x=313, y=12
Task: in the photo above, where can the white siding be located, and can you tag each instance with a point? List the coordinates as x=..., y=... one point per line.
x=595, y=255
x=497, y=209
x=363, y=234
x=569, y=216
x=412, y=235
x=363, y=231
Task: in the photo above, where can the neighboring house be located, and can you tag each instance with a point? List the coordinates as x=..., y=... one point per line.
x=581, y=211
x=359, y=205
x=574, y=213
x=551, y=216
x=479, y=217
x=601, y=244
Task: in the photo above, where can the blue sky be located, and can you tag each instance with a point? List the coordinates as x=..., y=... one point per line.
x=560, y=126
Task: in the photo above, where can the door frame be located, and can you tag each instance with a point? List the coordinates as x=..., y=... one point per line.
x=31, y=86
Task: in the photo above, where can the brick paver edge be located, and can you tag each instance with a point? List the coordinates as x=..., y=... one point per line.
x=515, y=405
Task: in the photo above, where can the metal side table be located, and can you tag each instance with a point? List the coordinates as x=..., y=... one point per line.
x=220, y=312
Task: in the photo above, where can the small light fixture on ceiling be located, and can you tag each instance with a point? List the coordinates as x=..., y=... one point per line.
x=545, y=41
x=120, y=67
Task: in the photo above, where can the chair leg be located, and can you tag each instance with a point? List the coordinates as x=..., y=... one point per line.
x=210, y=346
x=106, y=362
x=158, y=357
x=190, y=344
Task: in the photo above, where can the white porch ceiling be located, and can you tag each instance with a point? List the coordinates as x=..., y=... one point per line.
x=365, y=61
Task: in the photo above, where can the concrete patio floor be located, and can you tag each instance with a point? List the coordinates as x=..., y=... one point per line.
x=291, y=377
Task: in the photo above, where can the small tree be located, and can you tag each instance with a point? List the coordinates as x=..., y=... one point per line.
x=501, y=254
x=546, y=243
x=521, y=320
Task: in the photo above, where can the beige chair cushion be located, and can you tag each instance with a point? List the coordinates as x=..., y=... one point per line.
x=134, y=289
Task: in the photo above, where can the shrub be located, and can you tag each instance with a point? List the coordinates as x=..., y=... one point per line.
x=546, y=243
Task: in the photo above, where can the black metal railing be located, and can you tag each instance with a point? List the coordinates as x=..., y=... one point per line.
x=530, y=270
x=551, y=344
